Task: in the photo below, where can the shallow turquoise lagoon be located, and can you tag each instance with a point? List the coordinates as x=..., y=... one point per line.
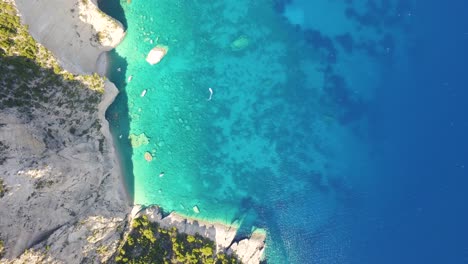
x=282, y=143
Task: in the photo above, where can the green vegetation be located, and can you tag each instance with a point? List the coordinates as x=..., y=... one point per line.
x=2, y=188
x=41, y=184
x=1, y=249
x=3, y=151
x=149, y=243
x=33, y=83
x=29, y=74
x=101, y=36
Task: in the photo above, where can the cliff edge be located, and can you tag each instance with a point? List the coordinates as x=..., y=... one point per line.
x=76, y=31
x=62, y=198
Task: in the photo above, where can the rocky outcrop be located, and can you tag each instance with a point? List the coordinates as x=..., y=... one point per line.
x=156, y=54
x=249, y=250
x=76, y=31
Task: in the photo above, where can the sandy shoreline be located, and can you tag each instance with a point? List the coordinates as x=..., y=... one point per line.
x=102, y=64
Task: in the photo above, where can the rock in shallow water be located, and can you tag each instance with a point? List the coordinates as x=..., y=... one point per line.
x=156, y=54
x=240, y=43
x=138, y=140
x=148, y=156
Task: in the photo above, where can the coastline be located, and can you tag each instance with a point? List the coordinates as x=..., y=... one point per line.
x=95, y=59
x=249, y=250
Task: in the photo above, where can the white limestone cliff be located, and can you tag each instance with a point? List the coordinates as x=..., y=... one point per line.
x=76, y=31
x=66, y=197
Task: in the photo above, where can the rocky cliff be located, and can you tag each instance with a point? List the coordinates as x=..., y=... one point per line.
x=249, y=250
x=76, y=31
x=63, y=200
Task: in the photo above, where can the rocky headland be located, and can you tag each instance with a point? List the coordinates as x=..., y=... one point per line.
x=75, y=31
x=61, y=190
x=248, y=250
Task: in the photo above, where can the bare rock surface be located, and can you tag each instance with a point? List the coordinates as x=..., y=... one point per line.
x=249, y=250
x=64, y=191
x=77, y=32
x=156, y=54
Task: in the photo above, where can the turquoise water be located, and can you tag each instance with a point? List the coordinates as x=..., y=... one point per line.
x=283, y=144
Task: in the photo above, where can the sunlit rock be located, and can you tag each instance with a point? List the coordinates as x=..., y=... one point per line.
x=156, y=54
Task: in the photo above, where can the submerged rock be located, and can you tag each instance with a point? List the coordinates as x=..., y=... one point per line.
x=156, y=54
x=240, y=43
x=138, y=140
x=148, y=156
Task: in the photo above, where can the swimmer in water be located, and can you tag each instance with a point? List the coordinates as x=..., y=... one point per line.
x=211, y=93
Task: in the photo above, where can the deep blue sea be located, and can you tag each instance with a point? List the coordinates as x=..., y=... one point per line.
x=338, y=127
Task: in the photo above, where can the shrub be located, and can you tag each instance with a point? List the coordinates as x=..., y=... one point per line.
x=149, y=243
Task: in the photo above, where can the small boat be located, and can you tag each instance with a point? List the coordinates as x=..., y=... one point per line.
x=130, y=78
x=211, y=93
x=143, y=93
x=161, y=174
x=118, y=69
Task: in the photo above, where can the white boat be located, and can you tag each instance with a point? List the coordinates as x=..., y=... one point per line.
x=143, y=93
x=211, y=93
x=130, y=78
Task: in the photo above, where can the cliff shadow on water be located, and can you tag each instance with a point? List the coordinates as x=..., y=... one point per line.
x=117, y=113
x=119, y=120
x=113, y=9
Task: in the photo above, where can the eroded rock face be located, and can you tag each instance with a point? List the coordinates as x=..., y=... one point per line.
x=64, y=196
x=76, y=31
